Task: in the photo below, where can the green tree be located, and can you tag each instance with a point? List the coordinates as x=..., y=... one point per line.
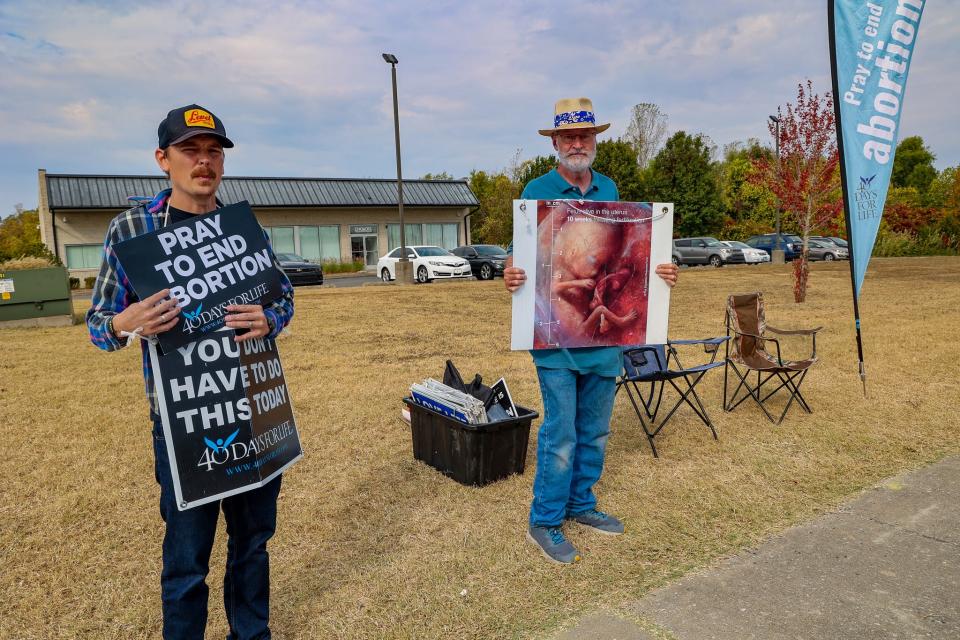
x=20, y=235
x=750, y=208
x=913, y=165
x=533, y=168
x=617, y=160
x=683, y=173
x=493, y=222
x=443, y=175
x=944, y=191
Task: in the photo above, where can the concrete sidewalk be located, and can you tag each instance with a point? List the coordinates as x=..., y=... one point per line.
x=886, y=565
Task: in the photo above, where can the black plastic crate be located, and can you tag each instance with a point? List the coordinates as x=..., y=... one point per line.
x=471, y=454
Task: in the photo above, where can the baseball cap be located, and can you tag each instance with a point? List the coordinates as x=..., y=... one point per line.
x=189, y=121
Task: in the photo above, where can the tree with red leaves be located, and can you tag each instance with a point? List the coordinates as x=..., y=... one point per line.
x=806, y=177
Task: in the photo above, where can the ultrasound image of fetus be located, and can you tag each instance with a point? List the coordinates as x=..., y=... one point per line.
x=592, y=268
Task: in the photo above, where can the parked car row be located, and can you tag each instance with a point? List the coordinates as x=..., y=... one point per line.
x=486, y=261
x=757, y=249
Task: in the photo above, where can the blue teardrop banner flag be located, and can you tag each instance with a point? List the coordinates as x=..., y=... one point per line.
x=871, y=49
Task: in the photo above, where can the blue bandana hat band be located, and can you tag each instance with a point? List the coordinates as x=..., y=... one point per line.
x=572, y=117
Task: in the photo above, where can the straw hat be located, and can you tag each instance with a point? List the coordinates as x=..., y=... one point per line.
x=574, y=113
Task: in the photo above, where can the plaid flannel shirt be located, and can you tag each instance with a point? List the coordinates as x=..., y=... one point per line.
x=112, y=292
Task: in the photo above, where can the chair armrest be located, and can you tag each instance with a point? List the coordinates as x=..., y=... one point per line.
x=641, y=352
x=800, y=332
x=764, y=339
x=794, y=332
x=715, y=341
x=710, y=345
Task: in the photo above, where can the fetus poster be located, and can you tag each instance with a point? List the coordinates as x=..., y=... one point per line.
x=590, y=273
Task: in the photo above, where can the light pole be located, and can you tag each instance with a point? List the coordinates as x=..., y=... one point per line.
x=777, y=256
x=404, y=268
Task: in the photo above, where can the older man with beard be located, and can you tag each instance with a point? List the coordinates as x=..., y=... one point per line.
x=577, y=385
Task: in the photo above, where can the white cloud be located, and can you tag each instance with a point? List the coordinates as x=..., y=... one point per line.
x=303, y=90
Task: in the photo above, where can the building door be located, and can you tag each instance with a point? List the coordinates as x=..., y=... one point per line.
x=363, y=244
x=364, y=249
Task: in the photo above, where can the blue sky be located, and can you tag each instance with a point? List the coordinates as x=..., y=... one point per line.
x=303, y=91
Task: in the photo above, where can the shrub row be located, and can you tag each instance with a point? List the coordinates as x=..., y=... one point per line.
x=332, y=266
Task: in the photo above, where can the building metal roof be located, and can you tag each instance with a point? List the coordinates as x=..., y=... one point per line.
x=112, y=192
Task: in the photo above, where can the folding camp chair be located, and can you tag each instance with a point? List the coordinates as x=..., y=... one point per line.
x=747, y=326
x=650, y=364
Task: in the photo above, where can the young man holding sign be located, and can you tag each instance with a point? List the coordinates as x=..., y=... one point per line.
x=190, y=152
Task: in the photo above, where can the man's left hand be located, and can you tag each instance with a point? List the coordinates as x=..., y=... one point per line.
x=669, y=272
x=249, y=317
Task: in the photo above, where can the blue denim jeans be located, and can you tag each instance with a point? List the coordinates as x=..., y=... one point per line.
x=251, y=521
x=571, y=443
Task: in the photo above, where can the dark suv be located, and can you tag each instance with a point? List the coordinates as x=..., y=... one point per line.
x=791, y=245
x=705, y=250
x=486, y=260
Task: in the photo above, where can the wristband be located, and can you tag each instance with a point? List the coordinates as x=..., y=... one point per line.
x=110, y=326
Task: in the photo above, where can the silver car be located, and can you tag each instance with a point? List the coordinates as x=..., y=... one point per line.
x=750, y=255
x=823, y=250
x=705, y=250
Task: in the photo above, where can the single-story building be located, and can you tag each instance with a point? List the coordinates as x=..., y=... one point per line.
x=321, y=219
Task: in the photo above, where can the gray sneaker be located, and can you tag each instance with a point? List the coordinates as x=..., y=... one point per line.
x=553, y=544
x=599, y=521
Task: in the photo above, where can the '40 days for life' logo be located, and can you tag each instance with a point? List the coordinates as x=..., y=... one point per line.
x=222, y=451
x=866, y=199
x=226, y=450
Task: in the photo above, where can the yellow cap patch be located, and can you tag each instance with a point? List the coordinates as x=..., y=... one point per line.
x=199, y=118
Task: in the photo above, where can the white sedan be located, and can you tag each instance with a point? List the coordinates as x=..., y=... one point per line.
x=429, y=263
x=750, y=255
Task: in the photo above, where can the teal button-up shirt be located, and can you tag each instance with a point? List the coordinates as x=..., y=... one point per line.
x=604, y=361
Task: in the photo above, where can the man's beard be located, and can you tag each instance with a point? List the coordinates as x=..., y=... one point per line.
x=578, y=163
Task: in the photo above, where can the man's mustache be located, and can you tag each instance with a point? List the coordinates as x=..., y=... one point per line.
x=203, y=173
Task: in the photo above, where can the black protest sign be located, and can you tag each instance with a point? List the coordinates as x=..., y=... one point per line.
x=500, y=405
x=227, y=417
x=208, y=262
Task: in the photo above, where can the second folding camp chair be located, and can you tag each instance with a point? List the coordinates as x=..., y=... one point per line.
x=651, y=365
x=751, y=349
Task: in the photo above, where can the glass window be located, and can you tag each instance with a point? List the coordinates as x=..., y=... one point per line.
x=433, y=234
x=413, y=234
x=329, y=242
x=393, y=236
x=309, y=242
x=282, y=239
x=320, y=243
x=440, y=235
x=450, y=235
x=83, y=256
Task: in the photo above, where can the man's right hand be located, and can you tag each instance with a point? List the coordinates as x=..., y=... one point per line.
x=513, y=277
x=152, y=315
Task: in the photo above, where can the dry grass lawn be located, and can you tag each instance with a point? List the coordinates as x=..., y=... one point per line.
x=374, y=545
